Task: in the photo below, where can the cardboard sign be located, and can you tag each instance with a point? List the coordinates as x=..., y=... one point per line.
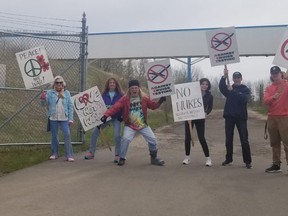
x=34, y=67
x=281, y=56
x=90, y=107
x=222, y=45
x=159, y=78
x=187, y=102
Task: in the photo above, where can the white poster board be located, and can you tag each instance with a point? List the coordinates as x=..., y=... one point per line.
x=2, y=75
x=90, y=107
x=159, y=78
x=281, y=56
x=222, y=46
x=187, y=102
x=34, y=67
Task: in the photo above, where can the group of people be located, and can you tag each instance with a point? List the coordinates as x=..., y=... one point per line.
x=131, y=108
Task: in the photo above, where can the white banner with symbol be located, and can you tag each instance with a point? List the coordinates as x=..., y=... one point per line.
x=34, y=66
x=281, y=56
x=90, y=107
x=159, y=78
x=187, y=102
x=222, y=46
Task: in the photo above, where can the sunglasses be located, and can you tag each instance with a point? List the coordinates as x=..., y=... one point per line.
x=58, y=82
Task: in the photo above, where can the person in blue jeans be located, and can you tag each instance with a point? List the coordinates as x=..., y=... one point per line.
x=111, y=94
x=60, y=113
x=135, y=105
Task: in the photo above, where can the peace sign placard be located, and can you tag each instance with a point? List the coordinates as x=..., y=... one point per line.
x=159, y=78
x=34, y=67
x=222, y=45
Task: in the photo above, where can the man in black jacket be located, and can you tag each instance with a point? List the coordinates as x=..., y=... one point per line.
x=235, y=113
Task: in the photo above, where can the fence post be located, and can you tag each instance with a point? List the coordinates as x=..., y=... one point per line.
x=83, y=65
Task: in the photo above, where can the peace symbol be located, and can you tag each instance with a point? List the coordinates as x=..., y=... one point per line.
x=32, y=68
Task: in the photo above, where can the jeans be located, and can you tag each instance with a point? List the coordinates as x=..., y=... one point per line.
x=129, y=134
x=117, y=138
x=64, y=125
x=241, y=125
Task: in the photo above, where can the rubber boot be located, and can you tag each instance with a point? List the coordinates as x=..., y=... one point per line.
x=155, y=160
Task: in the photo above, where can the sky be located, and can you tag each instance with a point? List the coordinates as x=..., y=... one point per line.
x=135, y=15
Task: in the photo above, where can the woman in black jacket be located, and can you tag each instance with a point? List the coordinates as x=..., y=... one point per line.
x=200, y=124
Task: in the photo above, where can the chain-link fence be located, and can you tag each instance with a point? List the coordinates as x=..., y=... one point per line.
x=22, y=119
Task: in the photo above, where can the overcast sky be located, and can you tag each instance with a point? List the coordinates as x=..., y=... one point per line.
x=135, y=15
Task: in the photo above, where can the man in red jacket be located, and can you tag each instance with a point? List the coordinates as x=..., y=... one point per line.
x=134, y=106
x=275, y=98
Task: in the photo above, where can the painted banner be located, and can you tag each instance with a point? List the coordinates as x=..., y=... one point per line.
x=159, y=78
x=222, y=46
x=34, y=67
x=90, y=107
x=187, y=102
x=281, y=56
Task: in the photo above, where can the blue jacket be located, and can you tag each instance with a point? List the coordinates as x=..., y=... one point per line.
x=109, y=103
x=50, y=103
x=236, y=100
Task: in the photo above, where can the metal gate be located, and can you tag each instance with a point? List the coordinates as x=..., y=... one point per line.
x=22, y=119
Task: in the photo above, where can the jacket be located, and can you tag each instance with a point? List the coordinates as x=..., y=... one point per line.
x=124, y=104
x=50, y=103
x=208, y=102
x=236, y=100
x=109, y=103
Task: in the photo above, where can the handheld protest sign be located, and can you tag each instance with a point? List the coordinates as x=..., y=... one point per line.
x=281, y=56
x=90, y=107
x=159, y=78
x=222, y=46
x=187, y=102
x=34, y=66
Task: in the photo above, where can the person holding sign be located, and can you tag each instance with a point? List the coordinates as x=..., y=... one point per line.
x=235, y=113
x=60, y=113
x=200, y=124
x=275, y=98
x=111, y=94
x=135, y=105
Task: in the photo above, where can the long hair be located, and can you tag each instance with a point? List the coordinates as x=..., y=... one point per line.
x=206, y=80
x=117, y=89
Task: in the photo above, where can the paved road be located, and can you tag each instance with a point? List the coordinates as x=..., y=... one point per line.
x=99, y=187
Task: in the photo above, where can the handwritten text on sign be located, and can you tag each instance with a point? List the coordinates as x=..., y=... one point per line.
x=187, y=102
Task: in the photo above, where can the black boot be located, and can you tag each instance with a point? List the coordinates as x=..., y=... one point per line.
x=155, y=160
x=121, y=162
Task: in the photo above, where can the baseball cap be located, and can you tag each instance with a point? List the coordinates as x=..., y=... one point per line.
x=237, y=75
x=275, y=69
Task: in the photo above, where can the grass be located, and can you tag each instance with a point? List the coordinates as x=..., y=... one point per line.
x=13, y=158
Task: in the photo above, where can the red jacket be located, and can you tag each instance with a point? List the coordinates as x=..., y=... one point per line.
x=124, y=104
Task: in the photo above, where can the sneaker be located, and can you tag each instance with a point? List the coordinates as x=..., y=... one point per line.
x=273, y=169
x=249, y=166
x=186, y=160
x=208, y=162
x=116, y=159
x=89, y=156
x=70, y=159
x=53, y=157
x=227, y=163
x=121, y=162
